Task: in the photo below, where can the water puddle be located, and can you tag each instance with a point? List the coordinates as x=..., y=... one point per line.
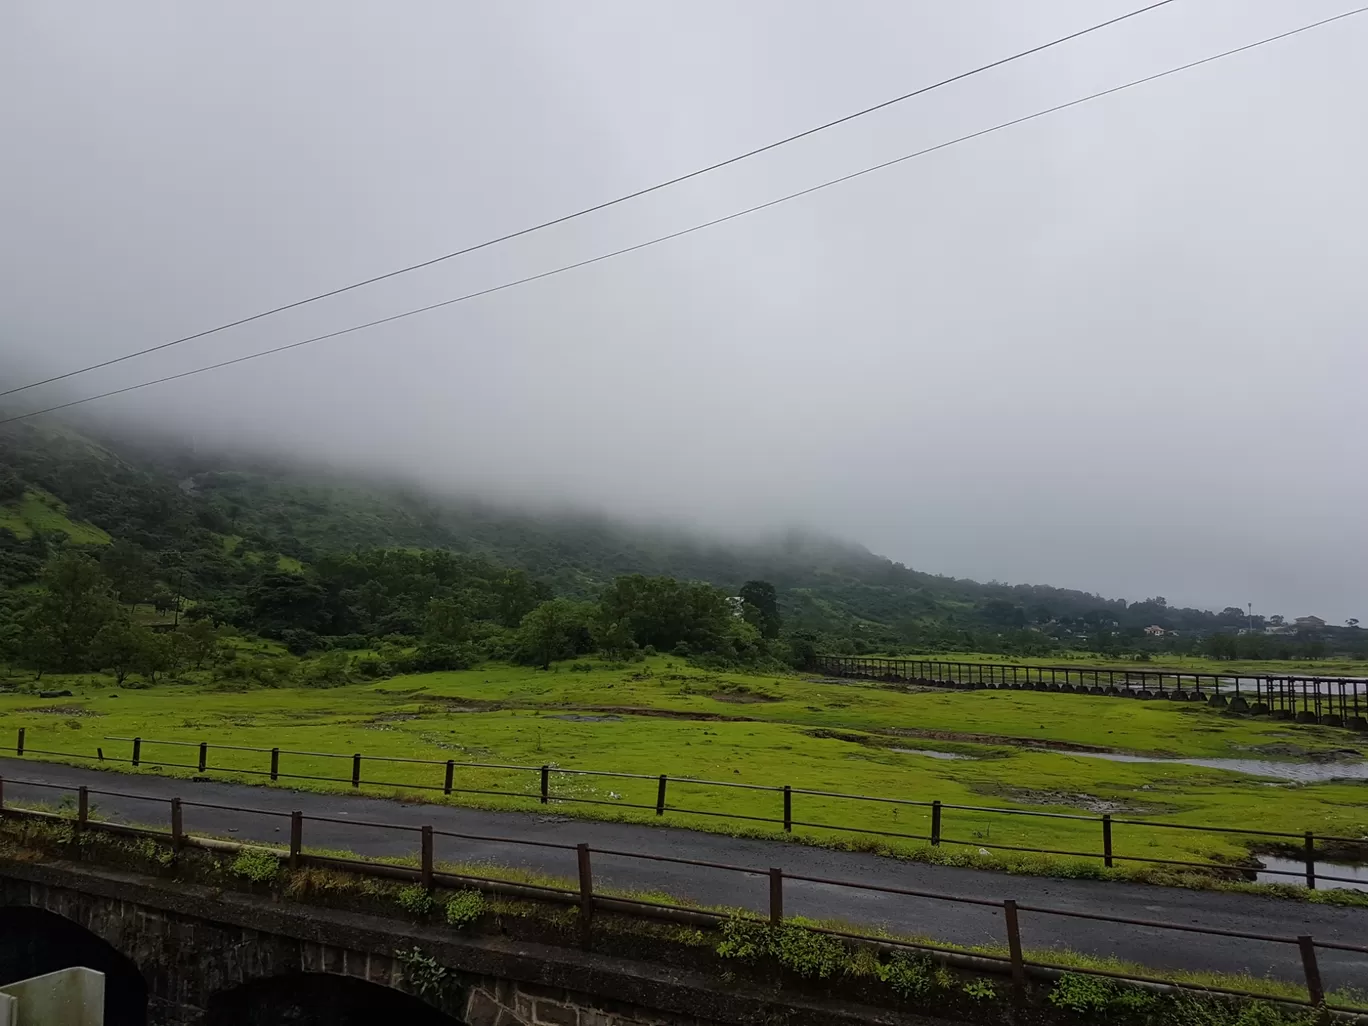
x=930, y=754
x=1351, y=878
x=1301, y=772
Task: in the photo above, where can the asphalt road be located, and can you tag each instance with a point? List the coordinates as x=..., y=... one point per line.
x=964, y=924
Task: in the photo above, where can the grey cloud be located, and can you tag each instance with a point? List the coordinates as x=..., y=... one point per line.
x=1120, y=348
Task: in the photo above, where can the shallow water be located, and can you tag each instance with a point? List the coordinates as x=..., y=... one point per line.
x=930, y=754
x=1302, y=772
x=1357, y=875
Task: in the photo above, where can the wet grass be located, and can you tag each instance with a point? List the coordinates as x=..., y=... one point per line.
x=663, y=718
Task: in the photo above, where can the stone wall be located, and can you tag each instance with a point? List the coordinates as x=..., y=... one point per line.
x=200, y=949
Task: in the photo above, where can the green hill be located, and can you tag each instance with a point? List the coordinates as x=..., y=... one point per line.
x=213, y=525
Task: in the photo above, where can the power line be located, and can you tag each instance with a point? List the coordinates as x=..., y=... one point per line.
x=706, y=224
x=596, y=207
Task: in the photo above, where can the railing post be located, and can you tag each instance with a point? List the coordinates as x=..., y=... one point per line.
x=1310, y=861
x=275, y=763
x=935, y=823
x=427, y=858
x=450, y=774
x=19, y=747
x=356, y=770
x=1106, y=840
x=2, y=794
x=204, y=755
x=586, y=882
x=776, y=879
x=82, y=807
x=177, y=827
x=296, y=837
x=1009, y=916
x=1314, y=988
x=137, y=750
x=546, y=784
x=788, y=809
x=660, y=796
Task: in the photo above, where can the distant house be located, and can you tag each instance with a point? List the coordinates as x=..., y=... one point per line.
x=1309, y=623
x=1155, y=631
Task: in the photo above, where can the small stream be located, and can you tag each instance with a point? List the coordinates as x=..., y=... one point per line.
x=1352, y=878
x=1301, y=772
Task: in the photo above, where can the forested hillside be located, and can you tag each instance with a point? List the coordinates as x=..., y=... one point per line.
x=321, y=560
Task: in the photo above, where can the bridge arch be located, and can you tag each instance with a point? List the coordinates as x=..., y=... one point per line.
x=34, y=941
x=319, y=999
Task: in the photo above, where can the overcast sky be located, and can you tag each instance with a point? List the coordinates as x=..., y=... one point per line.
x=1120, y=348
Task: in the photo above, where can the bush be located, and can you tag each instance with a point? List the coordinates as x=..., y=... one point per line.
x=581, y=667
x=464, y=908
x=416, y=900
x=256, y=865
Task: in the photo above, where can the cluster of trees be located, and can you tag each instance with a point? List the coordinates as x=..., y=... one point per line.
x=74, y=622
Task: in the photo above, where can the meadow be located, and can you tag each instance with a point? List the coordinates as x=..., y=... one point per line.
x=661, y=717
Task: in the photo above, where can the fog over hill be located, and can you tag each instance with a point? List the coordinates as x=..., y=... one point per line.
x=1117, y=349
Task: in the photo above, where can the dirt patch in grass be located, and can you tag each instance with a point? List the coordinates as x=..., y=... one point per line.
x=582, y=718
x=62, y=710
x=1074, y=800
x=993, y=739
x=743, y=696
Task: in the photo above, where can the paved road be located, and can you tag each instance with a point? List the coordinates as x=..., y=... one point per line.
x=965, y=924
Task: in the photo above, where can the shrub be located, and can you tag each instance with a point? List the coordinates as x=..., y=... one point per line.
x=464, y=908
x=909, y=976
x=415, y=899
x=256, y=865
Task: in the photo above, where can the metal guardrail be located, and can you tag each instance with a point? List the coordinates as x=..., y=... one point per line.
x=588, y=900
x=1104, y=825
x=1330, y=701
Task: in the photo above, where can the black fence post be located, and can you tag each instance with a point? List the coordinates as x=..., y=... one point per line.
x=660, y=797
x=1310, y=861
x=356, y=770
x=204, y=755
x=19, y=748
x=2, y=794
x=177, y=824
x=586, y=882
x=776, y=879
x=427, y=858
x=1314, y=988
x=275, y=763
x=546, y=784
x=1009, y=916
x=788, y=809
x=82, y=807
x=1106, y=840
x=935, y=822
x=296, y=837
x=450, y=773
x=137, y=750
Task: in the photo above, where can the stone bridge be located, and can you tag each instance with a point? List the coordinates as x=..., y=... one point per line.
x=180, y=953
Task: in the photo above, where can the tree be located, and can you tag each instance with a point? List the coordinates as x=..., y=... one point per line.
x=446, y=622
x=11, y=487
x=120, y=647
x=761, y=596
x=131, y=571
x=199, y=640
x=516, y=595
x=1351, y=622
x=74, y=605
x=558, y=629
x=155, y=655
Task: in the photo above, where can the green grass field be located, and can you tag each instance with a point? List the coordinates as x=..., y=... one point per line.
x=39, y=511
x=659, y=717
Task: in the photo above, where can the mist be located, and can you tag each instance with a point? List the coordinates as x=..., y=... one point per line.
x=1118, y=348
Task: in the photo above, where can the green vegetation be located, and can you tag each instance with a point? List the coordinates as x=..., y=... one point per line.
x=256, y=865
x=659, y=716
x=464, y=908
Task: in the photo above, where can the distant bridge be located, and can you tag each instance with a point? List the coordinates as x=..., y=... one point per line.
x=1331, y=701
